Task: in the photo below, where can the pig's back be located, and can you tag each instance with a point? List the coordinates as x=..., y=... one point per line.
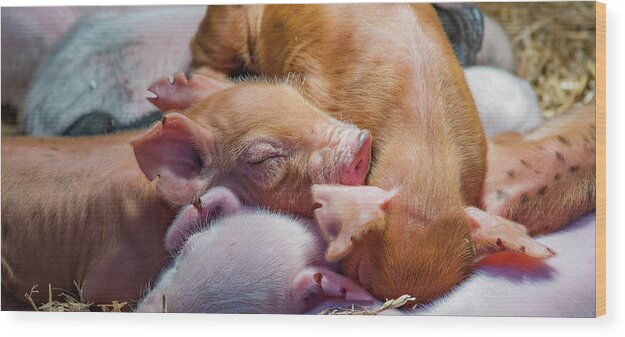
x=390, y=70
x=70, y=203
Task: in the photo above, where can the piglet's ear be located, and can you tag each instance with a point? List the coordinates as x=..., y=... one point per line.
x=316, y=285
x=347, y=213
x=175, y=150
x=493, y=233
x=218, y=201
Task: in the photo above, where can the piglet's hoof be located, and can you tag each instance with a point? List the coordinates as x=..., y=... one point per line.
x=179, y=92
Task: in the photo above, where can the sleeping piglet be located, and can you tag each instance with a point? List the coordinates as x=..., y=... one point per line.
x=82, y=209
x=247, y=260
x=228, y=260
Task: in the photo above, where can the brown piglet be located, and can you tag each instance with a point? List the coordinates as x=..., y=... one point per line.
x=387, y=68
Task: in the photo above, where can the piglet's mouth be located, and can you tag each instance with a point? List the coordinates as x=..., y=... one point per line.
x=356, y=171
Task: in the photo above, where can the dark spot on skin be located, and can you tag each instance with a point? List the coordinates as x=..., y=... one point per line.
x=542, y=190
x=540, y=147
x=339, y=71
x=343, y=291
x=557, y=176
x=564, y=141
x=510, y=173
x=537, y=172
x=523, y=249
x=574, y=168
x=499, y=243
x=501, y=195
x=524, y=198
x=592, y=149
x=515, y=218
x=559, y=156
x=526, y=164
x=54, y=148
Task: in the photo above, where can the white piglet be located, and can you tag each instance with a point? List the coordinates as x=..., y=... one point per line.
x=236, y=259
x=506, y=103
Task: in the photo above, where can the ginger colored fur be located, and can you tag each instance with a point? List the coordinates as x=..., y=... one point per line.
x=387, y=68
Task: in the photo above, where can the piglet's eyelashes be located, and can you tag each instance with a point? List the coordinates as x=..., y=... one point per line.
x=260, y=152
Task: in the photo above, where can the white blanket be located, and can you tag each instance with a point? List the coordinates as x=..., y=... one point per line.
x=566, y=289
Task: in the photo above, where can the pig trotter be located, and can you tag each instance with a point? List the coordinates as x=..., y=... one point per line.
x=493, y=233
x=179, y=92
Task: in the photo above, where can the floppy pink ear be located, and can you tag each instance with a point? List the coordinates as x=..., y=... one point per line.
x=347, y=213
x=493, y=233
x=175, y=150
x=218, y=201
x=315, y=285
x=177, y=92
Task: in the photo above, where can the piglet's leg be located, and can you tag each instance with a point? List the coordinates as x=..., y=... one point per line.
x=544, y=179
x=218, y=201
x=315, y=285
x=178, y=92
x=493, y=233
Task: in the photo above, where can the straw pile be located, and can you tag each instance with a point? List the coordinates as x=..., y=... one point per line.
x=555, y=44
x=69, y=303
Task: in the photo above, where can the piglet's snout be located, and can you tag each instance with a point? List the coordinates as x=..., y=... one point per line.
x=357, y=165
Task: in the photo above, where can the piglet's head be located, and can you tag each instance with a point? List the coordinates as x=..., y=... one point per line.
x=355, y=222
x=262, y=140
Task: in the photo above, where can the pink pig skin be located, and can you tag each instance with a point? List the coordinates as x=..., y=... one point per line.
x=29, y=35
x=247, y=261
x=81, y=209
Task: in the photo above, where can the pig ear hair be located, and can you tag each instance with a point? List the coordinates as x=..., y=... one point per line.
x=218, y=201
x=347, y=213
x=493, y=235
x=175, y=150
x=316, y=285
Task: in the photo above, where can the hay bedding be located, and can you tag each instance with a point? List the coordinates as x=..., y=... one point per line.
x=555, y=46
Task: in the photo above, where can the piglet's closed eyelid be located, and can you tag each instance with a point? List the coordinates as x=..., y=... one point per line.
x=261, y=151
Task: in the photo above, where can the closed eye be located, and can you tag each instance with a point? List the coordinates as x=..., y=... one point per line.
x=262, y=151
x=264, y=159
